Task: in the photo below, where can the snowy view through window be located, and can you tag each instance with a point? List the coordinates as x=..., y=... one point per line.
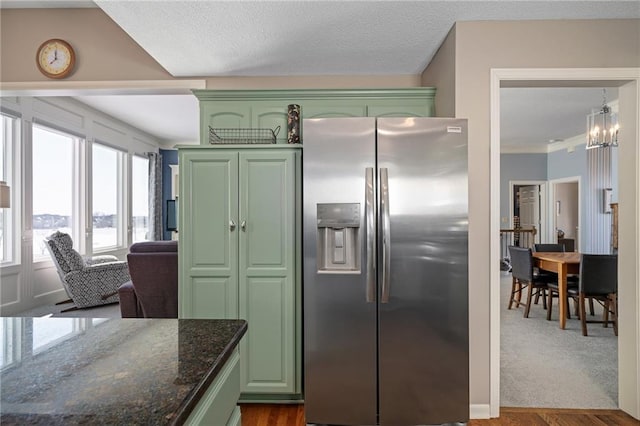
x=54, y=185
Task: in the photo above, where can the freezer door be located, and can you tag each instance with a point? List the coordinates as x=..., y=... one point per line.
x=339, y=271
x=423, y=317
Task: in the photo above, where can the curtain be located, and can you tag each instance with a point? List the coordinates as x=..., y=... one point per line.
x=598, y=223
x=155, y=196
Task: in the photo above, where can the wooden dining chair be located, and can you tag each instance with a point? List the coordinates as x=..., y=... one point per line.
x=523, y=277
x=599, y=281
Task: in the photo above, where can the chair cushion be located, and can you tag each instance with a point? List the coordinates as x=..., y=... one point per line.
x=64, y=245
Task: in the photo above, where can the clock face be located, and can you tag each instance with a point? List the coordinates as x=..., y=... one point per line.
x=55, y=58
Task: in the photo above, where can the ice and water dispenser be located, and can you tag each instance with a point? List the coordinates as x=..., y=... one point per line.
x=338, y=237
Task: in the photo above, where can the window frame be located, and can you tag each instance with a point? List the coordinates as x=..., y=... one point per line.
x=11, y=253
x=131, y=181
x=122, y=209
x=77, y=201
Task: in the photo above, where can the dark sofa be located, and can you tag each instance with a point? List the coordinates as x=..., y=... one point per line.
x=153, y=289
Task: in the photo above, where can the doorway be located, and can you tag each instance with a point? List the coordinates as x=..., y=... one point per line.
x=566, y=212
x=628, y=81
x=527, y=200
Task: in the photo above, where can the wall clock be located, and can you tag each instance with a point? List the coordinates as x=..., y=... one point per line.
x=55, y=58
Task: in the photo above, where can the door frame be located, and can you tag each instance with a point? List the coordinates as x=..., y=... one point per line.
x=628, y=79
x=544, y=217
x=551, y=211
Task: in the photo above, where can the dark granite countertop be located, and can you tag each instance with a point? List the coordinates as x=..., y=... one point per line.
x=70, y=371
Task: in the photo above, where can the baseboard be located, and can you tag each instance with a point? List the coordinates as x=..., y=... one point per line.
x=480, y=411
x=261, y=398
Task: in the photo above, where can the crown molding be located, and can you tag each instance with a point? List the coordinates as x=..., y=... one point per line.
x=568, y=144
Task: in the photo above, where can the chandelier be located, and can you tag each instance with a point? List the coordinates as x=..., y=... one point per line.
x=602, y=126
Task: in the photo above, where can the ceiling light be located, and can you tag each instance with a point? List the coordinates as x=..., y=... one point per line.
x=602, y=126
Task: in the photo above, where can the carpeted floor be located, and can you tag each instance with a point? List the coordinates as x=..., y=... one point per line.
x=544, y=366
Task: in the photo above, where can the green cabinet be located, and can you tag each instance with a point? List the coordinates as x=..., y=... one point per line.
x=239, y=253
x=268, y=108
x=218, y=405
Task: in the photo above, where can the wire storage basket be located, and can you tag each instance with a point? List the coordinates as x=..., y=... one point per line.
x=242, y=135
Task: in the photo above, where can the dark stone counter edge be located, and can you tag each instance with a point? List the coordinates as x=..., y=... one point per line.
x=198, y=392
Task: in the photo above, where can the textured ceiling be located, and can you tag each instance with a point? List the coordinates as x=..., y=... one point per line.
x=249, y=38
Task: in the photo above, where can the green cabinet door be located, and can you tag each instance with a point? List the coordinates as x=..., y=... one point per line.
x=208, y=243
x=267, y=115
x=223, y=115
x=267, y=262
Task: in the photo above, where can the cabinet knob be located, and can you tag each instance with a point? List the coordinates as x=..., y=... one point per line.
x=232, y=225
x=243, y=225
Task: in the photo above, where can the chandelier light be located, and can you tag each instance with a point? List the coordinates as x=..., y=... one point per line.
x=602, y=126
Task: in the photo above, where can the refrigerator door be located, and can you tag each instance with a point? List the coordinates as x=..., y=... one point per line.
x=423, y=318
x=339, y=272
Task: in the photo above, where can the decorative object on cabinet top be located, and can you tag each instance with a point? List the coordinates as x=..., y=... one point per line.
x=293, y=123
x=242, y=136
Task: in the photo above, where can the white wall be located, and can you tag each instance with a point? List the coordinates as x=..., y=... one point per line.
x=26, y=284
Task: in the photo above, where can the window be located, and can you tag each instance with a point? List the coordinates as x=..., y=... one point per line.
x=53, y=172
x=9, y=135
x=140, y=198
x=107, y=218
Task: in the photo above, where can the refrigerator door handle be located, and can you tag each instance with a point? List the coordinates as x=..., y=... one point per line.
x=369, y=207
x=386, y=234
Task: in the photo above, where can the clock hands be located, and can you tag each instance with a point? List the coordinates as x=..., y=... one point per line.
x=55, y=57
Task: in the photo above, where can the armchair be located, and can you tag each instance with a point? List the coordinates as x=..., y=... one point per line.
x=153, y=289
x=88, y=282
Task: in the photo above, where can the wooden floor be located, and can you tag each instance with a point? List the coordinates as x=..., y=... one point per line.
x=293, y=415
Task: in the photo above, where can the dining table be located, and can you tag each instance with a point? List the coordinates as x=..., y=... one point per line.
x=563, y=264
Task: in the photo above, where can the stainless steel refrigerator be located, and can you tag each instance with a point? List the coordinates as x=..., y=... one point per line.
x=385, y=271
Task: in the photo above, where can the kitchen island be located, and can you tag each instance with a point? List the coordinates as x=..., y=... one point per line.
x=71, y=371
